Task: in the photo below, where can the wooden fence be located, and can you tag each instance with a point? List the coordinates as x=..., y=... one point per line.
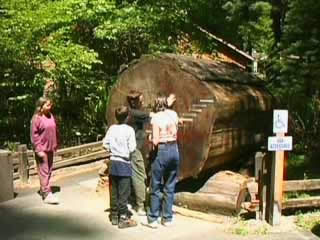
x=263, y=173
x=299, y=186
x=24, y=164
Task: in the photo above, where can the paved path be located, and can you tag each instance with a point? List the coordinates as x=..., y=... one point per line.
x=81, y=215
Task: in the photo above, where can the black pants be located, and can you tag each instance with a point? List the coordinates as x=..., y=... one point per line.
x=120, y=192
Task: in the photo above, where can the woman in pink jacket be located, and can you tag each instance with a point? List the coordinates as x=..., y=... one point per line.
x=44, y=137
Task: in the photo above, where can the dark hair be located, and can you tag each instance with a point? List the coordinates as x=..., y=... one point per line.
x=160, y=103
x=133, y=98
x=121, y=114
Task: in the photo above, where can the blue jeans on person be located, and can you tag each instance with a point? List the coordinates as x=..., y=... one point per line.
x=164, y=170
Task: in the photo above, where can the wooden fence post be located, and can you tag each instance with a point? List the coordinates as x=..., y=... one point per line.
x=276, y=192
x=23, y=164
x=260, y=173
x=6, y=176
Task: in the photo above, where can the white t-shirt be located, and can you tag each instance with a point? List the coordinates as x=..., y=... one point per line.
x=167, y=121
x=121, y=140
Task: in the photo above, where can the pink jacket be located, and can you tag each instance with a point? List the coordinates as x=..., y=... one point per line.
x=44, y=133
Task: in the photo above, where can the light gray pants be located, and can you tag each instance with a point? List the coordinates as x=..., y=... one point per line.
x=138, y=178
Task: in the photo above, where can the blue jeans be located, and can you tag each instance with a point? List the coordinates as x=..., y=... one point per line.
x=164, y=171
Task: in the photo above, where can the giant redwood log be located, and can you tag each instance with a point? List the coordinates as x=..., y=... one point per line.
x=227, y=111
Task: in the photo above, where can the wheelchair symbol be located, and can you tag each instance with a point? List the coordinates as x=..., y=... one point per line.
x=278, y=123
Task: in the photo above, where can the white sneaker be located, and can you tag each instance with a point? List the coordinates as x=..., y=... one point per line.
x=167, y=224
x=51, y=199
x=141, y=212
x=153, y=225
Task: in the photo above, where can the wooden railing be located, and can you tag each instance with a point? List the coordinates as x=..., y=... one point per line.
x=299, y=186
x=24, y=164
x=263, y=177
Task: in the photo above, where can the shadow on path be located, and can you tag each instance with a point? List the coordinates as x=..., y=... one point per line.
x=316, y=230
x=36, y=224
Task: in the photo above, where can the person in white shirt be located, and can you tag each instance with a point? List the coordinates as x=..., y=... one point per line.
x=164, y=168
x=121, y=142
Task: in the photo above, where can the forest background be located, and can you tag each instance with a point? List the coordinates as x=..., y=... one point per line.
x=76, y=47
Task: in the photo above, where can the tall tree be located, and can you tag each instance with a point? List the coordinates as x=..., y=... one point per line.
x=297, y=82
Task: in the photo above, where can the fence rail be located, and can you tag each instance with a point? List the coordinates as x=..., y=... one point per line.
x=298, y=186
x=263, y=205
x=24, y=164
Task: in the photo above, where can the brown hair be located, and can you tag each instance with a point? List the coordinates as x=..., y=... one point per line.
x=160, y=103
x=121, y=114
x=133, y=98
x=39, y=104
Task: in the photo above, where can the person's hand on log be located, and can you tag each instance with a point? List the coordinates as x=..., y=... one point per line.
x=171, y=100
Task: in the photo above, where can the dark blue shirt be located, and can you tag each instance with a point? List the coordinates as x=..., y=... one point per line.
x=119, y=168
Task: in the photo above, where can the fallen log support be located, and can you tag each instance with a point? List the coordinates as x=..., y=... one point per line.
x=223, y=193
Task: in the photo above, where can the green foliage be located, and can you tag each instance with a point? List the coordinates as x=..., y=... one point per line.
x=79, y=45
x=246, y=24
x=245, y=227
x=309, y=221
x=295, y=73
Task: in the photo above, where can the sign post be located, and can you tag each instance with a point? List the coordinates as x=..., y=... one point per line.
x=278, y=144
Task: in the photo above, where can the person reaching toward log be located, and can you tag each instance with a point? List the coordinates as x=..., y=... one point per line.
x=138, y=119
x=164, y=168
x=171, y=99
x=45, y=141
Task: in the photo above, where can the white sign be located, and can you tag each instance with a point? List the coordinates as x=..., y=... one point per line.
x=280, y=121
x=279, y=143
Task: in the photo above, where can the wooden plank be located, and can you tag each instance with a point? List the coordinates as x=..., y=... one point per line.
x=259, y=167
x=196, y=110
x=301, y=202
x=15, y=161
x=15, y=158
x=301, y=185
x=6, y=183
x=276, y=193
x=30, y=153
x=80, y=147
x=189, y=114
x=15, y=176
x=58, y=159
x=247, y=56
x=221, y=187
x=23, y=163
x=207, y=202
x=186, y=119
x=206, y=101
x=85, y=158
x=197, y=105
